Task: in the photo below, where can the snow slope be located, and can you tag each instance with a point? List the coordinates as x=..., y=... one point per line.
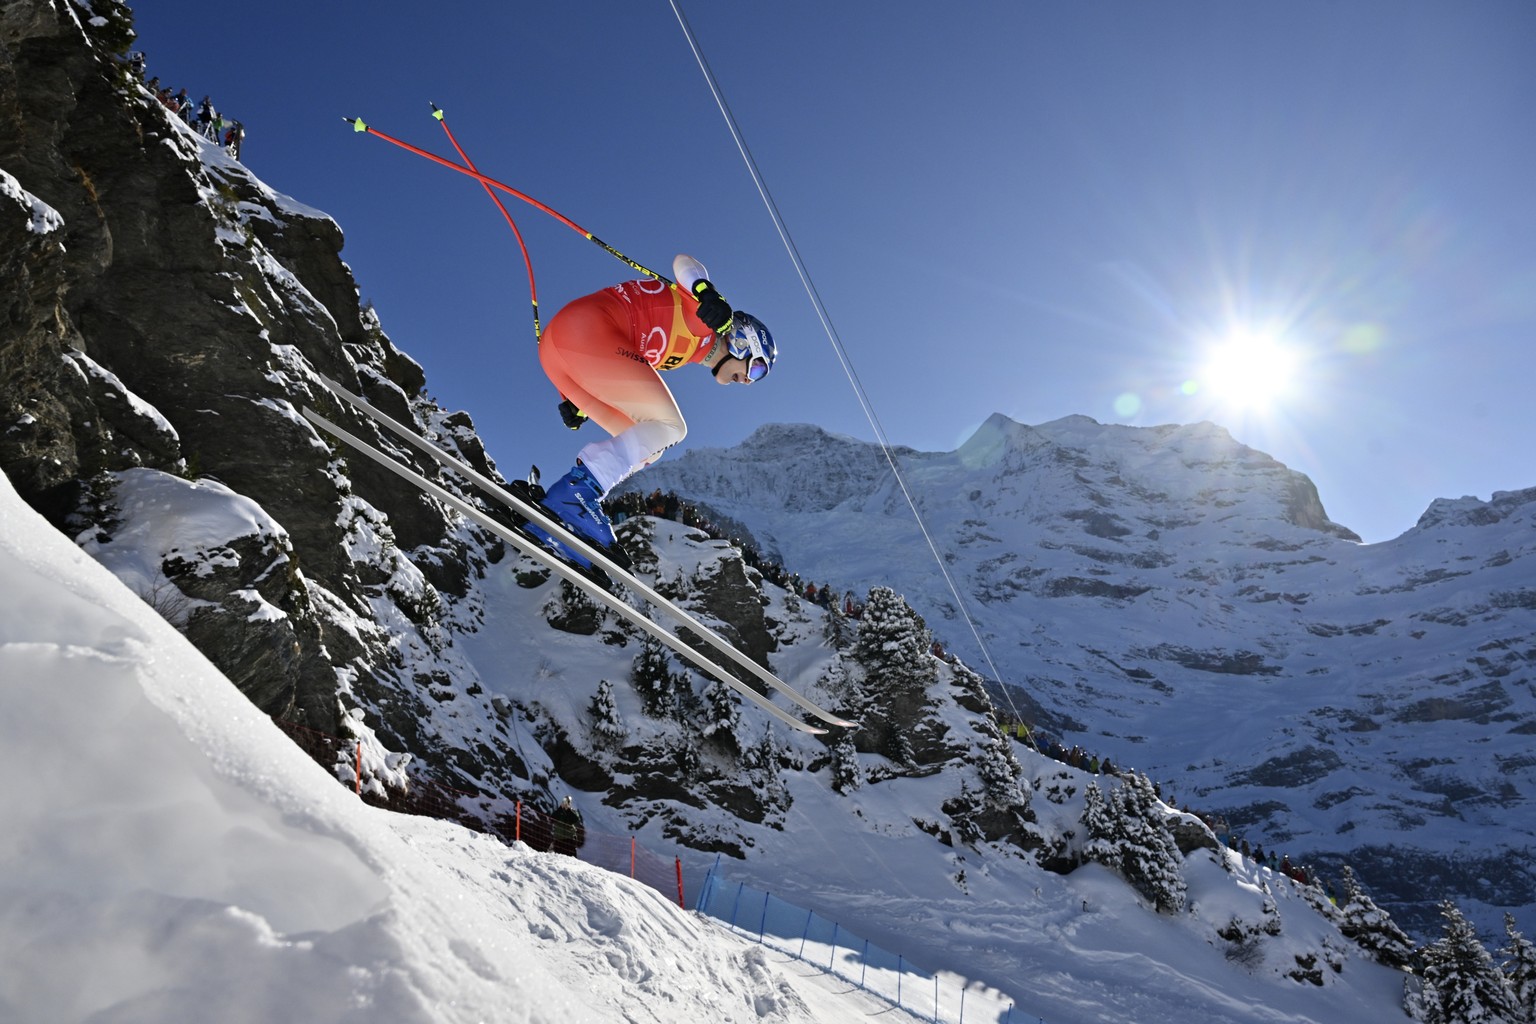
x=170, y=855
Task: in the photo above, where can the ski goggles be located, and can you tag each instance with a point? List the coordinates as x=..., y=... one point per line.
x=757, y=369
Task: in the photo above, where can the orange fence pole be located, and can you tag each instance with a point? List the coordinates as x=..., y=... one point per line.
x=517, y=830
x=680, y=903
x=631, y=856
x=359, y=767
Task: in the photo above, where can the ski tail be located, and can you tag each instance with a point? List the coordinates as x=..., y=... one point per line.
x=598, y=556
x=577, y=578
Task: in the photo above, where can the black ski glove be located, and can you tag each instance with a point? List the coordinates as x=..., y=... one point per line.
x=572, y=416
x=713, y=310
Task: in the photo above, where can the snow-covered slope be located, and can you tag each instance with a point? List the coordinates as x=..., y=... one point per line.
x=1181, y=603
x=169, y=854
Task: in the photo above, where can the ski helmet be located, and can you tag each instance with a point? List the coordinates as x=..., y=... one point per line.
x=750, y=342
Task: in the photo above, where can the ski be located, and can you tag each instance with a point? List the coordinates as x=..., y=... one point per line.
x=537, y=514
x=540, y=516
x=558, y=565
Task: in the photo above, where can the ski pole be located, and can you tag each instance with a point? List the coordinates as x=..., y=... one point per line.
x=533, y=290
x=358, y=125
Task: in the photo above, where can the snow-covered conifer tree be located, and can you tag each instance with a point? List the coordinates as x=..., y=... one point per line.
x=762, y=764
x=847, y=697
x=1126, y=831
x=653, y=678
x=607, y=724
x=1149, y=856
x=893, y=637
x=1100, y=830
x=847, y=772
x=722, y=715
x=999, y=771
x=1461, y=983
x=1369, y=926
x=1520, y=968
x=839, y=630
x=892, y=648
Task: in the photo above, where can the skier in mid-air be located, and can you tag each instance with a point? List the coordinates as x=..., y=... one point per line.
x=603, y=353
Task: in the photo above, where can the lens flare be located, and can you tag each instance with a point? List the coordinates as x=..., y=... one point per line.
x=1362, y=339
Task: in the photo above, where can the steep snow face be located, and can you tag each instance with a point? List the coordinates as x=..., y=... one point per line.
x=1181, y=602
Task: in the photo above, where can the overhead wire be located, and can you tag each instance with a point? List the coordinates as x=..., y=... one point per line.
x=865, y=403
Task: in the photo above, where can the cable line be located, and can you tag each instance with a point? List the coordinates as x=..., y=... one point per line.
x=837, y=344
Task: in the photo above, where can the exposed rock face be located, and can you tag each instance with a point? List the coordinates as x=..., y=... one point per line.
x=163, y=308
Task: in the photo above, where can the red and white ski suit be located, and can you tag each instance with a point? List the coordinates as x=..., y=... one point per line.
x=603, y=352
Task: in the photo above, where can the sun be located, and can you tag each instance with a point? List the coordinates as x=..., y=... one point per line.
x=1249, y=370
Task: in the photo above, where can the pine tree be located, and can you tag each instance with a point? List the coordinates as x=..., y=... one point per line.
x=653, y=678
x=999, y=771
x=607, y=724
x=762, y=762
x=1369, y=926
x=1520, y=968
x=846, y=696
x=847, y=771
x=1127, y=832
x=892, y=647
x=893, y=637
x=1100, y=832
x=722, y=715
x=1150, y=857
x=839, y=630
x=1461, y=984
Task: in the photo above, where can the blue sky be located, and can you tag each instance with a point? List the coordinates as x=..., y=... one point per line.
x=1034, y=208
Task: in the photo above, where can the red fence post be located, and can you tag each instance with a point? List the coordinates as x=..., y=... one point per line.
x=631, y=856
x=517, y=830
x=359, y=767
x=681, y=905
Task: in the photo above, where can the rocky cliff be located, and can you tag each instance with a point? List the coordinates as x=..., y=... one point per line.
x=165, y=313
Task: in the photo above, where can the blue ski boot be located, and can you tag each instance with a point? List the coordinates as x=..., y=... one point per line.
x=577, y=501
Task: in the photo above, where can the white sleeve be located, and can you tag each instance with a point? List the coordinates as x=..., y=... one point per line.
x=688, y=271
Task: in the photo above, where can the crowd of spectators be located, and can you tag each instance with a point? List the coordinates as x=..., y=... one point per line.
x=203, y=117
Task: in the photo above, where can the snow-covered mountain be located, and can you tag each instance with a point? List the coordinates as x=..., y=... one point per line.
x=1181, y=603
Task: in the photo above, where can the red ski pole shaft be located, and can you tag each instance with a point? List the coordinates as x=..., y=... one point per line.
x=359, y=125
x=533, y=290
